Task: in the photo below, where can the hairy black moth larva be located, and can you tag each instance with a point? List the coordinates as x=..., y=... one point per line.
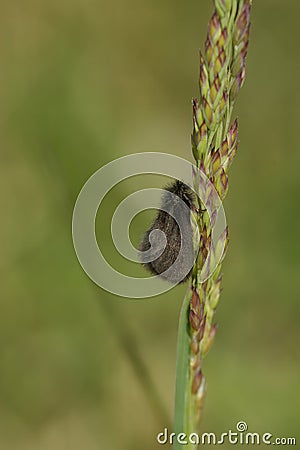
x=173, y=216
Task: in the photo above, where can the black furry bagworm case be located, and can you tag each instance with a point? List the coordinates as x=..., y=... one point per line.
x=172, y=232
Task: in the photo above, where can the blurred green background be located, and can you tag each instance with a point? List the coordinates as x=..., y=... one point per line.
x=82, y=83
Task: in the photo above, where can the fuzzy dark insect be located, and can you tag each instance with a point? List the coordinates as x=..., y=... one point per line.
x=174, y=215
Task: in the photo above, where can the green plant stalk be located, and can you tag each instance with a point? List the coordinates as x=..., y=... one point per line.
x=214, y=145
x=182, y=407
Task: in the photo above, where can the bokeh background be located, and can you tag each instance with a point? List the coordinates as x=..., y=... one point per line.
x=82, y=83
